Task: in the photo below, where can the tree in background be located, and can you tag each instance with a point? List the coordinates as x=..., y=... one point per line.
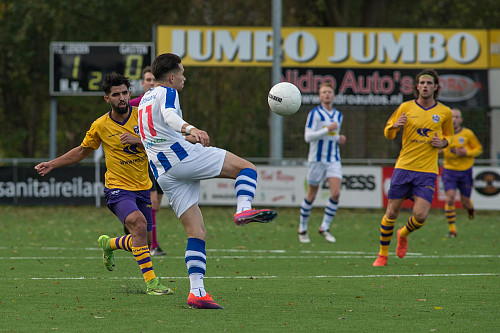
x=28, y=27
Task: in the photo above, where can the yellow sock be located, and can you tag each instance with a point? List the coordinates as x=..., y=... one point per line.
x=450, y=213
x=123, y=242
x=143, y=258
x=386, y=231
x=411, y=225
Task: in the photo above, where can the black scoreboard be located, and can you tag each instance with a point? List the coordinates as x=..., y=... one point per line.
x=78, y=68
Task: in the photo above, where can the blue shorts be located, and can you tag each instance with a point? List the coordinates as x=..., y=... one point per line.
x=406, y=184
x=458, y=179
x=123, y=203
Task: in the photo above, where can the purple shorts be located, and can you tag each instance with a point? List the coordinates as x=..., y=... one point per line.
x=123, y=203
x=406, y=184
x=458, y=179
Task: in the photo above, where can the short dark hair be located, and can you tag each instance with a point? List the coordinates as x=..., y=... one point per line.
x=163, y=64
x=429, y=72
x=114, y=79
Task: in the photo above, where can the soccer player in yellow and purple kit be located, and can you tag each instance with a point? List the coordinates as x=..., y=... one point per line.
x=457, y=169
x=425, y=122
x=127, y=183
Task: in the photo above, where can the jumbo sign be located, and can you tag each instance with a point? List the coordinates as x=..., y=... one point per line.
x=327, y=47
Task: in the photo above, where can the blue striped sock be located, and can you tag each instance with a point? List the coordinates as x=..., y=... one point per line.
x=245, y=187
x=330, y=211
x=196, y=262
x=305, y=211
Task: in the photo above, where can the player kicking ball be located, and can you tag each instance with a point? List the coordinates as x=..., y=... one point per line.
x=180, y=156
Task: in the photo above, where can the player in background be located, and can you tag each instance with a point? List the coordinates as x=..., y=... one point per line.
x=148, y=82
x=322, y=132
x=457, y=169
x=180, y=156
x=425, y=123
x=127, y=182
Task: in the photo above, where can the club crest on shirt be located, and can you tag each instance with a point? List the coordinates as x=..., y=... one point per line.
x=435, y=118
x=136, y=129
x=461, y=140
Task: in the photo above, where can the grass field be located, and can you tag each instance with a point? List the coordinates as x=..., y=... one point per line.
x=52, y=277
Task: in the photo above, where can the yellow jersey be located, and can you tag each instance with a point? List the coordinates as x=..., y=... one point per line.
x=127, y=165
x=465, y=138
x=416, y=153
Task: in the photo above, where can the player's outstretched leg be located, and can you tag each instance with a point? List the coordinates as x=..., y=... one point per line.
x=255, y=215
x=108, y=255
x=244, y=188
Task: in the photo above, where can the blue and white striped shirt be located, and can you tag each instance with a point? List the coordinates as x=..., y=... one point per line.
x=323, y=144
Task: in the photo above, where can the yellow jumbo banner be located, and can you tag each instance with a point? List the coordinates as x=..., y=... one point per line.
x=327, y=47
x=495, y=48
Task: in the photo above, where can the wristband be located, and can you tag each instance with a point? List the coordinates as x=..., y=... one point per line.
x=188, y=129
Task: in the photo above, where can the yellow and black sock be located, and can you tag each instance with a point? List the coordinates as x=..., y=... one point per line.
x=411, y=225
x=386, y=231
x=143, y=258
x=123, y=242
x=450, y=213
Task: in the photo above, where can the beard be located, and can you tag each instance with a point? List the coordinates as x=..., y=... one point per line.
x=121, y=109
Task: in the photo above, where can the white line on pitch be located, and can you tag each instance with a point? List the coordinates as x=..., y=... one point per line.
x=53, y=248
x=458, y=256
x=267, y=277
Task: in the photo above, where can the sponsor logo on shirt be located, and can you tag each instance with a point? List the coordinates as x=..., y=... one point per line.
x=424, y=131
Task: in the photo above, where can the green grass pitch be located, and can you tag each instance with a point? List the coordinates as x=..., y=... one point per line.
x=52, y=277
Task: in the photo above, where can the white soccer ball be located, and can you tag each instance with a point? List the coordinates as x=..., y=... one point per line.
x=284, y=99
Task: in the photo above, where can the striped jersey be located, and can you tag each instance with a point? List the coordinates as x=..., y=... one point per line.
x=465, y=138
x=416, y=153
x=323, y=145
x=165, y=146
x=127, y=165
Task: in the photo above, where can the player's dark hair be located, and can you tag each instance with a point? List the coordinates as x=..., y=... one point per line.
x=114, y=79
x=429, y=72
x=164, y=64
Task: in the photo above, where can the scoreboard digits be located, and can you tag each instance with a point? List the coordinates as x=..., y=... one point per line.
x=78, y=68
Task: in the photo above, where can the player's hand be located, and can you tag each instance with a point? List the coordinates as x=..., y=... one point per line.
x=437, y=142
x=129, y=139
x=43, y=168
x=461, y=151
x=342, y=139
x=333, y=126
x=401, y=121
x=200, y=136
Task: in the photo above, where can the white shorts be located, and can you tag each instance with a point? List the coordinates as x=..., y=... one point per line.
x=181, y=184
x=318, y=171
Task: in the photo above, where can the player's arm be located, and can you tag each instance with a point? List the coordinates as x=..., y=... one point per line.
x=475, y=148
x=130, y=139
x=396, y=121
x=312, y=135
x=73, y=156
x=178, y=124
x=312, y=132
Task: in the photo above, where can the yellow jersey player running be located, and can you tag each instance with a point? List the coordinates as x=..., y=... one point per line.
x=457, y=169
x=424, y=122
x=127, y=183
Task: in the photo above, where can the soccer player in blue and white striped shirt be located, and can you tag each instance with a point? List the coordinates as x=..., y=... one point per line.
x=322, y=132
